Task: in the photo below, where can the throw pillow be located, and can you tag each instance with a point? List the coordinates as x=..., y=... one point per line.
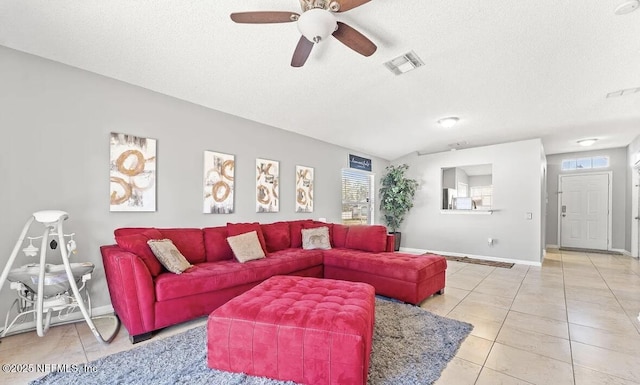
x=169, y=255
x=316, y=238
x=241, y=228
x=246, y=247
x=313, y=224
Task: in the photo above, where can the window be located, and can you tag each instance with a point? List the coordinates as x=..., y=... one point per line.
x=357, y=197
x=585, y=163
x=600, y=161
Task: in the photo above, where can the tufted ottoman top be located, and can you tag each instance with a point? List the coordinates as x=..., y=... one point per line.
x=309, y=303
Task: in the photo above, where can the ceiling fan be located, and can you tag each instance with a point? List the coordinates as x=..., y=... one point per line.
x=316, y=23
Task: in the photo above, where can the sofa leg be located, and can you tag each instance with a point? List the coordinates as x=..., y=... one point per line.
x=140, y=337
x=440, y=292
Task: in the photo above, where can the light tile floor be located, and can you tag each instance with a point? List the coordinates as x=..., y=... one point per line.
x=571, y=321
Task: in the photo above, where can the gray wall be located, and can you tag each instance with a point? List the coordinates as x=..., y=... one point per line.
x=56, y=122
x=618, y=167
x=517, y=185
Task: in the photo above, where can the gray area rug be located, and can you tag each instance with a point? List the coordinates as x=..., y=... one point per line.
x=410, y=346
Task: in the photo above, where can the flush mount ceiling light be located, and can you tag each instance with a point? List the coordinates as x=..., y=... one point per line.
x=448, y=122
x=627, y=7
x=587, y=142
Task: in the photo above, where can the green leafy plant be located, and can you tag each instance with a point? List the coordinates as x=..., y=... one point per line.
x=396, y=195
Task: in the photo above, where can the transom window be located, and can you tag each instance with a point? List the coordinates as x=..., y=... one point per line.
x=585, y=163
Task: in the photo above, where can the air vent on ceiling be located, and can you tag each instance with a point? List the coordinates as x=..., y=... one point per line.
x=405, y=63
x=625, y=92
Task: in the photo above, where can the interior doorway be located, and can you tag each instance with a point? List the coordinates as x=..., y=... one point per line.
x=585, y=211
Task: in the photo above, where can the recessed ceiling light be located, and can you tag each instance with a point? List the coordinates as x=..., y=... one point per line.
x=587, y=142
x=627, y=7
x=449, y=121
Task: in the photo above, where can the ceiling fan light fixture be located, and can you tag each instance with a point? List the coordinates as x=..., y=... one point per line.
x=317, y=24
x=587, y=142
x=448, y=122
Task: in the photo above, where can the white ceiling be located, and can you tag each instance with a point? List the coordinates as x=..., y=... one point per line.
x=511, y=70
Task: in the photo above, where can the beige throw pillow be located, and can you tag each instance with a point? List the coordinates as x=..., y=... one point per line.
x=316, y=238
x=169, y=255
x=246, y=247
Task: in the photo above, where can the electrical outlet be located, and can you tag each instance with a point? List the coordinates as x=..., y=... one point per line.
x=490, y=241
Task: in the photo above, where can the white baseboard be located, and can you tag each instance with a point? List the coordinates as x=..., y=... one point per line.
x=452, y=254
x=74, y=317
x=623, y=252
x=409, y=250
x=552, y=246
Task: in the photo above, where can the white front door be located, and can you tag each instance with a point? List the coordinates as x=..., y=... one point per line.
x=584, y=211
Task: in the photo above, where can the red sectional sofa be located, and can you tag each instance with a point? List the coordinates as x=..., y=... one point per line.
x=146, y=297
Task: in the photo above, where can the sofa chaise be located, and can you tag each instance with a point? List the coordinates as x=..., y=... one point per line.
x=146, y=297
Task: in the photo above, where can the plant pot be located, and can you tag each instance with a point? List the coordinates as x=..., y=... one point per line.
x=397, y=236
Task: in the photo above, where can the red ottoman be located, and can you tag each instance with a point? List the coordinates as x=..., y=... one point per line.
x=307, y=330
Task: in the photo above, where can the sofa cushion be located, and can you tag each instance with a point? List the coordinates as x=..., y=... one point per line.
x=134, y=240
x=316, y=238
x=296, y=232
x=210, y=276
x=277, y=236
x=404, y=267
x=246, y=247
x=189, y=241
x=371, y=238
x=169, y=255
x=216, y=247
x=339, y=238
x=241, y=228
x=316, y=224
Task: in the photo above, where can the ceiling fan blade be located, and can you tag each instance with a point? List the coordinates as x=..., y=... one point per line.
x=300, y=55
x=263, y=17
x=346, y=5
x=354, y=40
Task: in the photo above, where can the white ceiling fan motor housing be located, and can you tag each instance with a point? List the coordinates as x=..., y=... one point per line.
x=317, y=24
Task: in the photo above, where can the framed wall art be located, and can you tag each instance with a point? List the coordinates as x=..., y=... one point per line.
x=219, y=171
x=267, y=180
x=304, y=189
x=132, y=173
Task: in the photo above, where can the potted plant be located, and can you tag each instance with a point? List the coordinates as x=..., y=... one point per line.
x=396, y=198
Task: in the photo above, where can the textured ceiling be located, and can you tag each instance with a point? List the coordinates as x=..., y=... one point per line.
x=511, y=70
